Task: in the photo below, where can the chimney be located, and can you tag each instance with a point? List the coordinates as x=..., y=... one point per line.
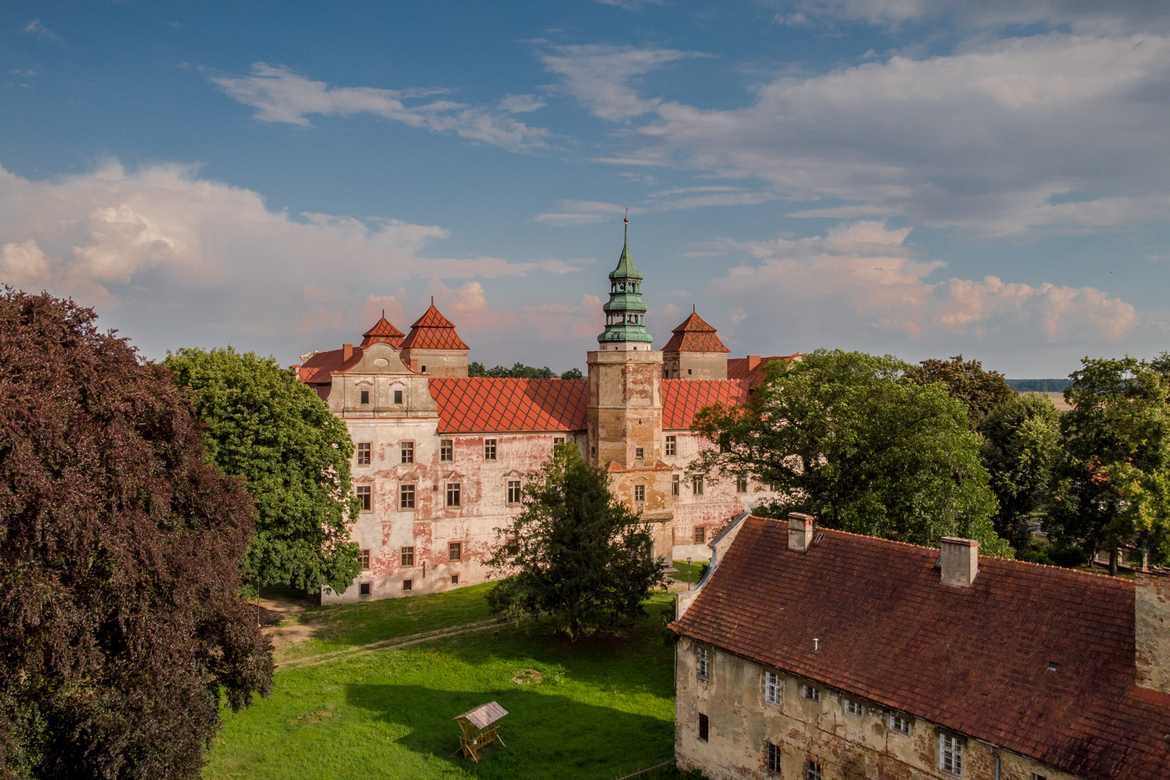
x=1151, y=629
x=346, y=351
x=800, y=531
x=753, y=361
x=960, y=561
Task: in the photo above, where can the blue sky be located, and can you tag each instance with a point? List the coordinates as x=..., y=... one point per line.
x=912, y=177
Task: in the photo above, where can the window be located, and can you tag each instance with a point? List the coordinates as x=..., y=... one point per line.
x=364, y=589
x=455, y=551
x=406, y=556
x=639, y=453
x=454, y=579
x=812, y=770
x=702, y=663
x=366, y=497
x=406, y=496
x=424, y=369
x=364, y=559
x=853, y=708
x=489, y=449
x=363, y=453
x=397, y=396
x=950, y=754
x=408, y=584
x=453, y=497
x=674, y=485
x=671, y=444
x=407, y=449
x=446, y=450
x=558, y=440
x=899, y=724
x=704, y=728
x=773, y=688
x=639, y=492
x=810, y=693
x=772, y=757
x=365, y=397
x=700, y=535
x=741, y=485
x=697, y=485
x=513, y=492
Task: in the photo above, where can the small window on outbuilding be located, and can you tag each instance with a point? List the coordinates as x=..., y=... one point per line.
x=950, y=754
x=900, y=724
x=812, y=770
x=853, y=708
x=773, y=688
x=772, y=758
x=702, y=663
x=810, y=693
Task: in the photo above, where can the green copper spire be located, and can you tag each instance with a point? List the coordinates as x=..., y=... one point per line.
x=625, y=314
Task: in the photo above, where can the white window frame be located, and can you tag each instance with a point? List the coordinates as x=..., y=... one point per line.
x=672, y=444
x=896, y=719
x=703, y=663
x=773, y=688
x=950, y=754
x=810, y=692
x=812, y=770
x=854, y=708
x=640, y=494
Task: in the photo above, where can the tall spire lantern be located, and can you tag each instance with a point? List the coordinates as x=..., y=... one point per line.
x=625, y=314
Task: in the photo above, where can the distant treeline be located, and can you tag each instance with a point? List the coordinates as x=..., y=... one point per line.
x=1039, y=385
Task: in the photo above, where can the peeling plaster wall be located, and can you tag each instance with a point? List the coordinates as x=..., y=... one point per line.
x=847, y=747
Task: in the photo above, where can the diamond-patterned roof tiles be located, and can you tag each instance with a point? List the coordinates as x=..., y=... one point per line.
x=473, y=405
x=382, y=331
x=682, y=398
x=433, y=331
x=319, y=369
x=694, y=335
x=975, y=660
x=751, y=368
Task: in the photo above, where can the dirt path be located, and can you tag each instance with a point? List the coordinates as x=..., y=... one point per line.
x=387, y=644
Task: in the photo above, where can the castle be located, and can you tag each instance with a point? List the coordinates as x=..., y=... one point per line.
x=441, y=457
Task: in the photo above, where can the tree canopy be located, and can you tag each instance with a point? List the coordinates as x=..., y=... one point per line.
x=1112, y=479
x=120, y=553
x=520, y=371
x=574, y=552
x=294, y=455
x=847, y=437
x=979, y=390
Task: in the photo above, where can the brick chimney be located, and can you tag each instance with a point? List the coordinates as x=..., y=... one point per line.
x=753, y=361
x=346, y=351
x=800, y=531
x=1151, y=629
x=960, y=561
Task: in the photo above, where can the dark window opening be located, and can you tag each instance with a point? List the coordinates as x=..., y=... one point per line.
x=408, y=585
x=397, y=396
x=455, y=551
x=772, y=757
x=365, y=396
x=639, y=453
x=454, y=579
x=703, y=728
x=365, y=495
x=364, y=589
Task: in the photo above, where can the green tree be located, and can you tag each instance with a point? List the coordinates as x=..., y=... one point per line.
x=1110, y=482
x=850, y=439
x=520, y=371
x=272, y=430
x=979, y=390
x=121, y=624
x=1021, y=441
x=574, y=552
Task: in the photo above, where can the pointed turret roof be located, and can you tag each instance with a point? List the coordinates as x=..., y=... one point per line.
x=625, y=314
x=433, y=331
x=694, y=335
x=383, y=331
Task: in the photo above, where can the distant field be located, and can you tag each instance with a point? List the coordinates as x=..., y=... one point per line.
x=600, y=709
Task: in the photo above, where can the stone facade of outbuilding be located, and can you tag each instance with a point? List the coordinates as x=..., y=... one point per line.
x=441, y=457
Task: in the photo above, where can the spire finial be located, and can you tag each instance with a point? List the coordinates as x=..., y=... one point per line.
x=432, y=300
x=693, y=309
x=383, y=314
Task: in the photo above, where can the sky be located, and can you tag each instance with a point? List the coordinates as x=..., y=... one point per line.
x=919, y=178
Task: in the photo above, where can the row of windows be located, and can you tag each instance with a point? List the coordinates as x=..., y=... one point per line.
x=950, y=752
x=453, y=495
x=406, y=555
x=446, y=450
x=364, y=395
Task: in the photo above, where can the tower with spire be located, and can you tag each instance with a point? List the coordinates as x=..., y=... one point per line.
x=625, y=313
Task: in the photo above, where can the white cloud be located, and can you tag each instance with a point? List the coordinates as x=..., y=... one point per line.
x=190, y=260
x=981, y=13
x=36, y=27
x=860, y=286
x=990, y=139
x=279, y=94
x=630, y=5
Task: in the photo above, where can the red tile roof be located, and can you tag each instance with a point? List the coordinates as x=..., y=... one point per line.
x=319, y=369
x=382, y=331
x=433, y=331
x=694, y=335
x=682, y=398
x=475, y=405
x=973, y=660
x=751, y=368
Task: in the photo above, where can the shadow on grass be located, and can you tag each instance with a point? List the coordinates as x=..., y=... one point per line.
x=547, y=736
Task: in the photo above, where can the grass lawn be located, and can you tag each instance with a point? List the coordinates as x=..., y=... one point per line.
x=694, y=567
x=600, y=709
